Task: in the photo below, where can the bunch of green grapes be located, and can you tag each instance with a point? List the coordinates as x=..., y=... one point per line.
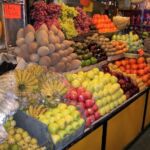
x=18, y=139
x=68, y=28
x=67, y=21
x=68, y=12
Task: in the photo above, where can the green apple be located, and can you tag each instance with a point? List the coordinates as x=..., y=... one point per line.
x=105, y=92
x=115, y=87
x=90, y=74
x=81, y=122
x=61, y=123
x=66, y=112
x=71, y=108
x=68, y=119
x=113, y=79
x=120, y=101
x=112, y=106
x=45, y=121
x=81, y=73
x=58, y=117
x=56, y=138
x=100, y=94
x=102, y=111
x=99, y=103
x=108, y=99
x=107, y=108
x=96, y=95
x=53, y=128
x=69, y=129
x=69, y=77
x=48, y=113
x=85, y=84
x=62, y=106
x=75, y=115
x=75, y=125
x=55, y=111
x=123, y=98
x=101, y=74
x=52, y=120
x=104, y=101
x=116, y=103
x=76, y=83
x=96, y=71
x=62, y=134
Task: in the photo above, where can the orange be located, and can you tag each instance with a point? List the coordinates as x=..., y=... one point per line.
x=132, y=61
x=141, y=60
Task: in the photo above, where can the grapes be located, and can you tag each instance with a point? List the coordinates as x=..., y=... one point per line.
x=82, y=21
x=67, y=22
x=45, y=13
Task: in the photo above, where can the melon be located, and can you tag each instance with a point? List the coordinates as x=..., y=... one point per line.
x=29, y=28
x=34, y=58
x=20, y=41
x=20, y=33
x=54, y=29
x=29, y=38
x=43, y=51
x=45, y=61
x=32, y=47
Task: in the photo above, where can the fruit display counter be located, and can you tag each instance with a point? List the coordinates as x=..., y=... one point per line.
x=75, y=87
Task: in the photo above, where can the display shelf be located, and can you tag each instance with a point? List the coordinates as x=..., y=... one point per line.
x=103, y=120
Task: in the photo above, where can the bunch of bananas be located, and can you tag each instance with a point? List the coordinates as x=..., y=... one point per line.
x=26, y=82
x=53, y=90
x=35, y=69
x=36, y=111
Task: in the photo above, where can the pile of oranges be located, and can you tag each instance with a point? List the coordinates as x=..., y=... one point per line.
x=135, y=66
x=103, y=23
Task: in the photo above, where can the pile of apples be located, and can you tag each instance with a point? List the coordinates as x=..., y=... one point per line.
x=126, y=83
x=103, y=23
x=136, y=66
x=62, y=121
x=106, y=91
x=83, y=99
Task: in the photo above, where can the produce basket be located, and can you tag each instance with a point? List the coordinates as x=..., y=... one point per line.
x=109, y=34
x=121, y=22
x=40, y=131
x=35, y=128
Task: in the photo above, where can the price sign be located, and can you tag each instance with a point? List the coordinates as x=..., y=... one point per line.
x=12, y=11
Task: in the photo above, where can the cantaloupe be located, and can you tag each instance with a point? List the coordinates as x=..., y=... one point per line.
x=20, y=33
x=42, y=38
x=75, y=64
x=54, y=29
x=60, y=67
x=32, y=47
x=43, y=27
x=17, y=50
x=20, y=41
x=43, y=51
x=61, y=36
x=34, y=58
x=45, y=61
x=57, y=47
x=29, y=28
x=29, y=38
x=73, y=55
x=51, y=48
x=55, y=57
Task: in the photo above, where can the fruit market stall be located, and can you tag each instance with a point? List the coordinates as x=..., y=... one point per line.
x=75, y=82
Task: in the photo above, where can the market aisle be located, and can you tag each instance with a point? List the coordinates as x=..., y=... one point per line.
x=143, y=143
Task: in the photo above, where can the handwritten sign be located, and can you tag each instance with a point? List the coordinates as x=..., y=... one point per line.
x=12, y=11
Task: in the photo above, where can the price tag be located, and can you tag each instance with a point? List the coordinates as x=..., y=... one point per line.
x=12, y=11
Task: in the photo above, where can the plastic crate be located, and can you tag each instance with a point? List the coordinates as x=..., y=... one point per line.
x=40, y=131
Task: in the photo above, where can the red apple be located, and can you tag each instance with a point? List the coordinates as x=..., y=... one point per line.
x=92, y=118
x=81, y=98
x=97, y=115
x=86, y=113
x=87, y=95
x=88, y=121
x=81, y=105
x=89, y=103
x=73, y=95
x=95, y=107
x=90, y=111
x=80, y=90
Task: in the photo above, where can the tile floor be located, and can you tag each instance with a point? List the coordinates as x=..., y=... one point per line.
x=143, y=143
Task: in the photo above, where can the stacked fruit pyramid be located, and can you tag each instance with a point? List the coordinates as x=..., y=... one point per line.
x=19, y=139
x=133, y=41
x=47, y=48
x=62, y=121
x=136, y=66
x=106, y=91
x=128, y=85
x=83, y=99
x=103, y=23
